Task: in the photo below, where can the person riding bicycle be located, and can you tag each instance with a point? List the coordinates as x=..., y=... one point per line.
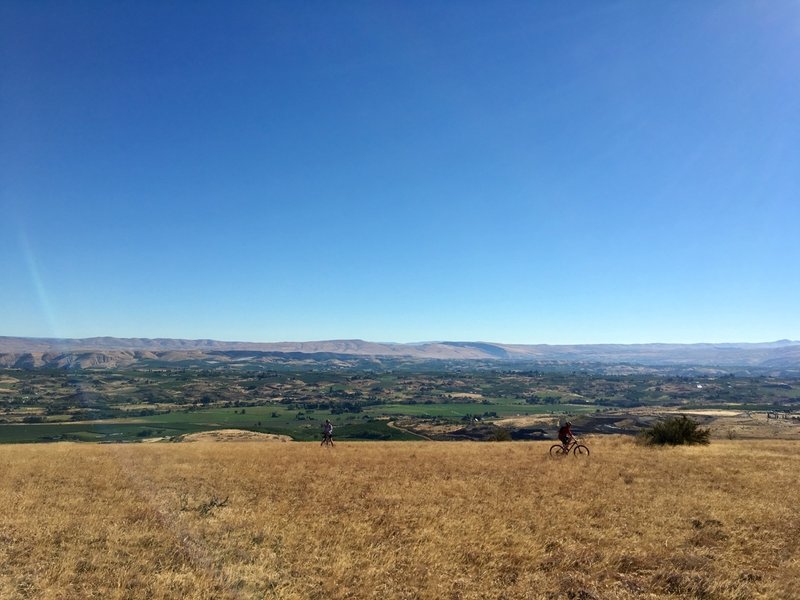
x=565, y=434
x=327, y=433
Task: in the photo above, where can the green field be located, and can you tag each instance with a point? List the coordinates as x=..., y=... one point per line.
x=394, y=402
x=370, y=423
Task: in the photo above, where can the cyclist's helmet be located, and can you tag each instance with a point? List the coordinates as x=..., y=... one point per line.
x=569, y=422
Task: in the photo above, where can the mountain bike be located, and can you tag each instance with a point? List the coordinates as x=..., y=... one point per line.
x=574, y=446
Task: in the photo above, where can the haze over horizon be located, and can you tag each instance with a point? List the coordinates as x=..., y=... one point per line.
x=112, y=340
x=551, y=173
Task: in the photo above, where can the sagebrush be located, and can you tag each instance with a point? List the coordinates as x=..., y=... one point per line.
x=676, y=431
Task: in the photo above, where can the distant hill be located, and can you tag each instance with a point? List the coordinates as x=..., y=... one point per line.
x=112, y=352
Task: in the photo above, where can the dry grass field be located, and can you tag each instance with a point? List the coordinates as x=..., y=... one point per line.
x=400, y=520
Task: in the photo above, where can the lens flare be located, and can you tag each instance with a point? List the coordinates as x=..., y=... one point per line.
x=39, y=287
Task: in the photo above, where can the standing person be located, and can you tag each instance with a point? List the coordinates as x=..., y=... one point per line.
x=565, y=434
x=327, y=433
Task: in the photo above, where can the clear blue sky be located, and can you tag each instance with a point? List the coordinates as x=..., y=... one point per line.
x=531, y=172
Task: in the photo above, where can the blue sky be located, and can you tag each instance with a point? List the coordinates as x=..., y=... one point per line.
x=528, y=172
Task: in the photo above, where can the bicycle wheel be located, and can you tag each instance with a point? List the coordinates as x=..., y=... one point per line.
x=557, y=450
x=580, y=450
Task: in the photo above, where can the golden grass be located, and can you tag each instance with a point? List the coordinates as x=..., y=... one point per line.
x=399, y=520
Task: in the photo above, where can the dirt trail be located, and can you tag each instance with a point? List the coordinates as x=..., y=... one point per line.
x=408, y=431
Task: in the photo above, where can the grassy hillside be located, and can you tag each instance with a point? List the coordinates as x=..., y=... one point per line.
x=399, y=520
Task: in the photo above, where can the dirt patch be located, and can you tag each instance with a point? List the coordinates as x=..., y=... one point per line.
x=757, y=426
x=543, y=421
x=708, y=412
x=234, y=435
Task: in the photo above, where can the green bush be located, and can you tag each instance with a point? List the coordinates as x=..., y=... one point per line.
x=500, y=434
x=676, y=431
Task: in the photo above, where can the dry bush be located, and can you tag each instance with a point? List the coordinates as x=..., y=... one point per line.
x=399, y=520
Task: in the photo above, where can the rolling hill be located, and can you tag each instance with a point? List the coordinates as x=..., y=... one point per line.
x=99, y=352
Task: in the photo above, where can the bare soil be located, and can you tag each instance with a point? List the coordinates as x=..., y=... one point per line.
x=234, y=435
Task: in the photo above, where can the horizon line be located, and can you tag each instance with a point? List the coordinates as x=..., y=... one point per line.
x=415, y=343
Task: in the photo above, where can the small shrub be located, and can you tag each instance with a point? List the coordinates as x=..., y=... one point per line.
x=676, y=431
x=500, y=435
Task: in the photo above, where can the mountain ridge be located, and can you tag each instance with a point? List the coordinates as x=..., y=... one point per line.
x=27, y=352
